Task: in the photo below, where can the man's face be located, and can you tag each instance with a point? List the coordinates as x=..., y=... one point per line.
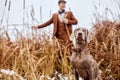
x=62, y=5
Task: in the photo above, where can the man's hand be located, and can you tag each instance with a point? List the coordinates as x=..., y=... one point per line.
x=34, y=27
x=65, y=21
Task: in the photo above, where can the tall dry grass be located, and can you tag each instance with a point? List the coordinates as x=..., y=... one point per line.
x=32, y=58
x=106, y=45
x=38, y=58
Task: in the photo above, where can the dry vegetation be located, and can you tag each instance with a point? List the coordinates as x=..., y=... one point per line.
x=106, y=45
x=33, y=58
x=39, y=58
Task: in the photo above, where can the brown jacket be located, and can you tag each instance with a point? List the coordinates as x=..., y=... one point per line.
x=71, y=21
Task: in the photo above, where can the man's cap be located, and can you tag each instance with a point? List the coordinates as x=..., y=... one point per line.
x=61, y=1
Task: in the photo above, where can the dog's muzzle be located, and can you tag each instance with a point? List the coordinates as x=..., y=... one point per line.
x=79, y=37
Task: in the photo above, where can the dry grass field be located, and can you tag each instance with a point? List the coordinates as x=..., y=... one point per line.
x=32, y=59
x=42, y=59
x=106, y=46
x=37, y=57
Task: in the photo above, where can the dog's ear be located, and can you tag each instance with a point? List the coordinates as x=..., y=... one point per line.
x=72, y=36
x=88, y=36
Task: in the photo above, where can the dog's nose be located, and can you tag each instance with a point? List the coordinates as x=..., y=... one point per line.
x=79, y=34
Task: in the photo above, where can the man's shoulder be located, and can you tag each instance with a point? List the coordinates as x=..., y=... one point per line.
x=55, y=13
x=69, y=11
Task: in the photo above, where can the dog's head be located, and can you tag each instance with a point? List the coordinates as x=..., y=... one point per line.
x=80, y=35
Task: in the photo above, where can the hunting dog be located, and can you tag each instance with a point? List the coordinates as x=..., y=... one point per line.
x=83, y=63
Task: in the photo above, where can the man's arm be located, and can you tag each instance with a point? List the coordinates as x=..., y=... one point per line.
x=72, y=20
x=44, y=24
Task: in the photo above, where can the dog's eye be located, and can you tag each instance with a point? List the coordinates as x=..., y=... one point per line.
x=84, y=30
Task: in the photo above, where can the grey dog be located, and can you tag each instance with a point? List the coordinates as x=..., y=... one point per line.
x=83, y=63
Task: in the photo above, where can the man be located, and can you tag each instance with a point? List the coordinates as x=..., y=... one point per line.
x=62, y=21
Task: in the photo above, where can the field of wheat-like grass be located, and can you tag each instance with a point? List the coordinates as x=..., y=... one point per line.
x=34, y=56
x=106, y=45
x=32, y=59
x=43, y=59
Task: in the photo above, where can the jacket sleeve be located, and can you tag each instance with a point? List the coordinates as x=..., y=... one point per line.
x=72, y=20
x=46, y=23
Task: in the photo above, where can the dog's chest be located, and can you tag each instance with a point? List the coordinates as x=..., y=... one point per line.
x=78, y=58
x=75, y=59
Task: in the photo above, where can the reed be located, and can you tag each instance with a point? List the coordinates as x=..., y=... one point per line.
x=32, y=59
x=106, y=45
x=3, y=12
x=37, y=57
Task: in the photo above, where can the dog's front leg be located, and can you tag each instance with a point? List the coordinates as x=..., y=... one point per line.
x=76, y=75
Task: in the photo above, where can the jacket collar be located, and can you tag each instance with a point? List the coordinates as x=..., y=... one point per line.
x=63, y=11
